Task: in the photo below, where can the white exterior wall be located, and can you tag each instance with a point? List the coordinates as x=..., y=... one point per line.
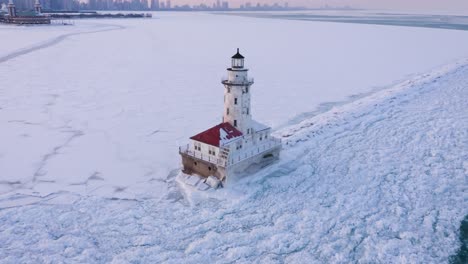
x=205, y=149
x=241, y=112
x=237, y=75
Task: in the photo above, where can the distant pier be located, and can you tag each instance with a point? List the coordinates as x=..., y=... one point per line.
x=26, y=20
x=50, y=17
x=38, y=16
x=79, y=15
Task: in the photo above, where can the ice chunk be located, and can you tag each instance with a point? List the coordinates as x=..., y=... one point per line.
x=193, y=180
x=202, y=186
x=213, y=182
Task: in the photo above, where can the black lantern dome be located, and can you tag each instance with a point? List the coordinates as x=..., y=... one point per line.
x=237, y=60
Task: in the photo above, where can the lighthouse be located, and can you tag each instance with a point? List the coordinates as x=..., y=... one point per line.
x=240, y=143
x=237, y=85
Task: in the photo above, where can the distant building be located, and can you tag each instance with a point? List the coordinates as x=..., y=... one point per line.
x=11, y=9
x=154, y=5
x=239, y=142
x=38, y=7
x=225, y=5
x=25, y=18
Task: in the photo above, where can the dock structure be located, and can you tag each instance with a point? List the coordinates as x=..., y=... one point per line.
x=35, y=18
x=26, y=20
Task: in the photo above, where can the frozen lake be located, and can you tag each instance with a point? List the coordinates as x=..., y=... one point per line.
x=442, y=21
x=91, y=116
x=114, y=105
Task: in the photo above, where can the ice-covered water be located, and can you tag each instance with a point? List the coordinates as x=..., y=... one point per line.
x=103, y=113
x=91, y=122
x=456, y=22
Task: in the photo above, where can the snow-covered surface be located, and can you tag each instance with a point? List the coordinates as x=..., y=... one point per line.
x=257, y=126
x=227, y=138
x=382, y=179
x=20, y=40
x=103, y=113
x=213, y=182
x=90, y=125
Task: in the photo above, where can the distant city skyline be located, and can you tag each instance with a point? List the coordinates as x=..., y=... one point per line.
x=458, y=6
x=433, y=6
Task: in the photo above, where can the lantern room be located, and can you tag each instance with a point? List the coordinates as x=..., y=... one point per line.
x=237, y=60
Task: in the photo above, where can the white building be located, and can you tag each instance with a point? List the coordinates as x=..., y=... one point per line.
x=239, y=142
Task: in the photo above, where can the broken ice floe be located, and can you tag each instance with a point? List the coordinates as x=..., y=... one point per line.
x=200, y=183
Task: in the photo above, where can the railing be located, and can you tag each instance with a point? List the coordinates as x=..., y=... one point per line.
x=26, y=20
x=210, y=158
x=255, y=150
x=240, y=156
x=245, y=81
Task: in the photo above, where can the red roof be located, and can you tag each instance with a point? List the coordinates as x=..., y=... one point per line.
x=213, y=135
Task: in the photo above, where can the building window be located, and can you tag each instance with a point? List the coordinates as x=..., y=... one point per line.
x=209, y=168
x=198, y=146
x=266, y=136
x=227, y=111
x=195, y=163
x=211, y=151
x=239, y=145
x=235, y=123
x=246, y=89
x=229, y=89
x=235, y=101
x=247, y=110
x=248, y=130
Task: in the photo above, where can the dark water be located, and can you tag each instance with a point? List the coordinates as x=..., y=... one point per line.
x=427, y=21
x=461, y=257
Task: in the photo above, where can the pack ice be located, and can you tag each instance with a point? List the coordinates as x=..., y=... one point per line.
x=88, y=162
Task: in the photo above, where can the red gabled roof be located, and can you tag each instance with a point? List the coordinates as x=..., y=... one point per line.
x=213, y=135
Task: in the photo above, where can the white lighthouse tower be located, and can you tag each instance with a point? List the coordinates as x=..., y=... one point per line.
x=239, y=142
x=237, y=109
